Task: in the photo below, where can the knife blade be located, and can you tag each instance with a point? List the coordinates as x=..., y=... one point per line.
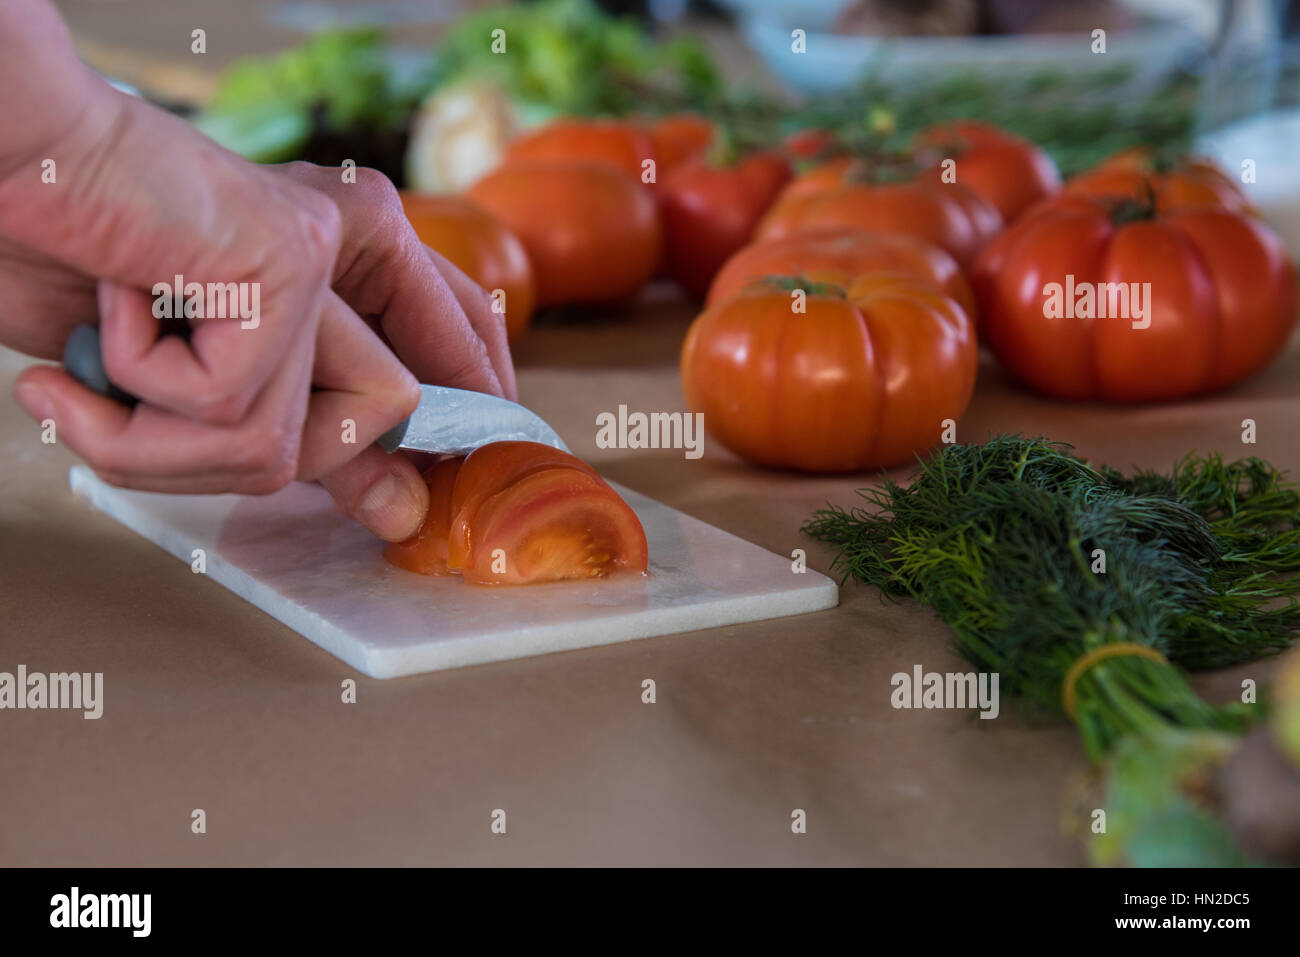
x=447, y=420
x=458, y=421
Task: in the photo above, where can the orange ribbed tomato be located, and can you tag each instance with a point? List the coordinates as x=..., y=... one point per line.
x=1139, y=175
x=844, y=193
x=679, y=138
x=1008, y=171
x=863, y=378
x=480, y=246
x=1097, y=298
x=592, y=232
x=624, y=145
x=840, y=256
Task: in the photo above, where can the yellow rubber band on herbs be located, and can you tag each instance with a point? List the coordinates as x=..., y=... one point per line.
x=1114, y=649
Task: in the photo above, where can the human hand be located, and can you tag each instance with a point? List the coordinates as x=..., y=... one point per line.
x=140, y=198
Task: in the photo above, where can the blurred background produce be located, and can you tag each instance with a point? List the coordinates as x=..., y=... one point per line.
x=1232, y=59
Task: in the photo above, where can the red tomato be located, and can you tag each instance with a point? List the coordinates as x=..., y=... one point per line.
x=710, y=211
x=592, y=232
x=863, y=379
x=480, y=246
x=827, y=175
x=840, y=257
x=488, y=471
x=811, y=144
x=841, y=194
x=425, y=552
x=1222, y=300
x=1137, y=174
x=618, y=143
x=1010, y=172
x=679, y=138
x=512, y=513
x=554, y=524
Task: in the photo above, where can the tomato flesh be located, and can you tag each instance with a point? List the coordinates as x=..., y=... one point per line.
x=554, y=524
x=517, y=512
x=486, y=472
x=425, y=552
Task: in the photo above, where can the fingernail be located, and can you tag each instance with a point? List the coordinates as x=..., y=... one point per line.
x=35, y=402
x=392, y=508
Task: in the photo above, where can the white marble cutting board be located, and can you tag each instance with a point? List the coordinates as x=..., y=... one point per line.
x=294, y=557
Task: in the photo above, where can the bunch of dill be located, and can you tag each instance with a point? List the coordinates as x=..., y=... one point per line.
x=1036, y=559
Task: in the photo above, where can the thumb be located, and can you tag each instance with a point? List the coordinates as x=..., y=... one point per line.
x=383, y=492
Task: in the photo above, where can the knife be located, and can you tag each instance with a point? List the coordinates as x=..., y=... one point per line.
x=454, y=421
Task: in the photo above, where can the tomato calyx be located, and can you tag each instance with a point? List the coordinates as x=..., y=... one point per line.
x=811, y=287
x=880, y=167
x=1128, y=210
x=1162, y=162
x=733, y=141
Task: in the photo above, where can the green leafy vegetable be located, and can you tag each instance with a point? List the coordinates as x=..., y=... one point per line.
x=1003, y=540
x=339, y=80
x=574, y=57
x=1078, y=119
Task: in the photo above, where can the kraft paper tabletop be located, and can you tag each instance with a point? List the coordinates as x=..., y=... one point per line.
x=211, y=704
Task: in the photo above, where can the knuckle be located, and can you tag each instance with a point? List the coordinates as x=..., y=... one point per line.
x=270, y=456
x=302, y=171
x=376, y=190
x=322, y=228
x=273, y=479
x=315, y=228
x=222, y=406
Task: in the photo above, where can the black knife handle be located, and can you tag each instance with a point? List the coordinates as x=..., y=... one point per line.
x=84, y=361
x=391, y=440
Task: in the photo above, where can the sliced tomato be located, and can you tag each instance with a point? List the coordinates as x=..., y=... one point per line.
x=518, y=512
x=487, y=471
x=553, y=524
x=425, y=552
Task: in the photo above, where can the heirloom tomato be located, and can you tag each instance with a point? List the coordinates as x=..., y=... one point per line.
x=425, y=552
x=1141, y=175
x=845, y=192
x=1104, y=298
x=679, y=138
x=839, y=257
x=591, y=231
x=621, y=144
x=709, y=211
x=1010, y=172
x=850, y=379
x=513, y=513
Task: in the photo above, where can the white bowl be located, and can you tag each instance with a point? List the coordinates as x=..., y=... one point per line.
x=809, y=14
x=835, y=63
x=1272, y=141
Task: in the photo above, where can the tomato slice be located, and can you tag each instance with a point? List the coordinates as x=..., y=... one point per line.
x=553, y=524
x=518, y=512
x=425, y=552
x=487, y=471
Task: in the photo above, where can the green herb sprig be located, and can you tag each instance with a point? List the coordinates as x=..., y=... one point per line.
x=1004, y=541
